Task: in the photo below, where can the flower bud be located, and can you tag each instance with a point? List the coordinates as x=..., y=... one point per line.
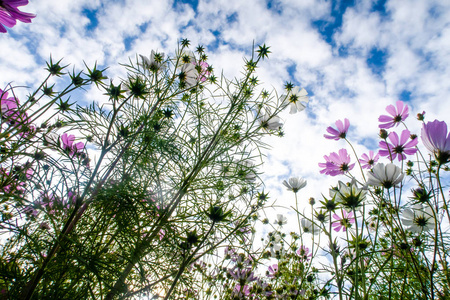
x=383, y=134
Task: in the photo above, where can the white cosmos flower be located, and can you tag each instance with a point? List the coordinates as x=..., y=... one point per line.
x=189, y=75
x=281, y=220
x=152, y=63
x=187, y=57
x=385, y=176
x=309, y=227
x=248, y=170
x=270, y=122
x=294, y=99
x=295, y=184
x=275, y=245
x=418, y=218
x=350, y=195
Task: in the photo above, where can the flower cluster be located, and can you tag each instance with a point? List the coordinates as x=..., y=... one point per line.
x=336, y=163
x=374, y=222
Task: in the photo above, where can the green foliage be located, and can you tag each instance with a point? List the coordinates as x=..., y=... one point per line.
x=123, y=198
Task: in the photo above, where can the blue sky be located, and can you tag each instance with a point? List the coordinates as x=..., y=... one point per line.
x=353, y=57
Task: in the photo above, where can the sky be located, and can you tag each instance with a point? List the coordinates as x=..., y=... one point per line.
x=353, y=57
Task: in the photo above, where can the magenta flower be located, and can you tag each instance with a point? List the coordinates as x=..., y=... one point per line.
x=72, y=197
x=10, y=111
x=9, y=13
x=67, y=141
x=399, y=147
x=368, y=161
x=336, y=163
x=245, y=290
x=8, y=105
x=343, y=223
x=341, y=131
x=304, y=254
x=68, y=145
x=272, y=271
x=397, y=115
x=435, y=139
x=30, y=211
x=203, y=71
x=242, y=275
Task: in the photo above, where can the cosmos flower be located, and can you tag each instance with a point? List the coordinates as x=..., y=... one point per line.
x=248, y=171
x=341, y=131
x=336, y=163
x=242, y=275
x=349, y=195
x=186, y=57
x=269, y=122
x=9, y=108
x=295, y=184
x=399, y=147
x=68, y=144
x=304, y=254
x=189, y=75
x=9, y=13
x=309, y=227
x=294, y=99
x=397, y=113
x=273, y=269
x=44, y=226
x=385, y=176
x=238, y=293
x=203, y=69
x=418, y=218
x=281, y=220
x=368, y=161
x=263, y=287
x=154, y=62
x=274, y=243
x=30, y=211
x=435, y=139
x=343, y=223
x=67, y=141
x=8, y=105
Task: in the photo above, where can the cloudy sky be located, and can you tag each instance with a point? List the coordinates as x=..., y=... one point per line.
x=353, y=57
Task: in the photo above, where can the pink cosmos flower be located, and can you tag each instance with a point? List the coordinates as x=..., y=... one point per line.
x=245, y=290
x=12, y=182
x=399, y=147
x=9, y=13
x=203, y=71
x=242, y=275
x=67, y=141
x=336, y=163
x=343, y=223
x=341, y=131
x=30, y=211
x=72, y=197
x=304, y=254
x=397, y=115
x=161, y=234
x=68, y=145
x=44, y=226
x=368, y=161
x=10, y=110
x=8, y=105
x=436, y=140
x=273, y=269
